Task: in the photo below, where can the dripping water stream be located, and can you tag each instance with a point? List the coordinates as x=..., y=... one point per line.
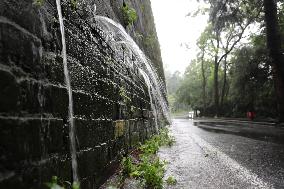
x=68, y=85
x=117, y=36
x=148, y=83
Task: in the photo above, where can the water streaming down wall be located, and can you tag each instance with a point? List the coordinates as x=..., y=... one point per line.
x=121, y=42
x=70, y=96
x=112, y=106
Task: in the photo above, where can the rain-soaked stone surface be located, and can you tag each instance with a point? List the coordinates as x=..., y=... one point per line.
x=203, y=159
x=112, y=107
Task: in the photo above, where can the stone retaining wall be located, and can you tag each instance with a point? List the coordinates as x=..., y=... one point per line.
x=111, y=102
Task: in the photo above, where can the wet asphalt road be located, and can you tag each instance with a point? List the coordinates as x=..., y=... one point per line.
x=202, y=158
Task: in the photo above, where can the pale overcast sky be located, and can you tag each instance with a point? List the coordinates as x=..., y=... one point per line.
x=175, y=28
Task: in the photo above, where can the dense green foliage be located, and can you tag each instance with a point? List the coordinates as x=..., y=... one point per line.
x=251, y=82
x=152, y=171
x=56, y=184
x=129, y=15
x=171, y=180
x=148, y=167
x=173, y=82
x=232, y=72
x=152, y=145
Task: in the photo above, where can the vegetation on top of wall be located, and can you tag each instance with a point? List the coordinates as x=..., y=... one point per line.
x=129, y=15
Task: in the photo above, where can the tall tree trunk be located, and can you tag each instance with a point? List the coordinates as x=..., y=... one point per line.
x=203, y=82
x=216, y=78
x=224, y=82
x=274, y=47
x=216, y=89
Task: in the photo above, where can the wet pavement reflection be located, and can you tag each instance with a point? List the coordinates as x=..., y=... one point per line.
x=201, y=158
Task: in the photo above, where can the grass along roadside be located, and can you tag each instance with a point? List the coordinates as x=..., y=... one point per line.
x=143, y=164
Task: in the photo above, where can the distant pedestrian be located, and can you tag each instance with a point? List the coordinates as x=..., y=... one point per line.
x=251, y=115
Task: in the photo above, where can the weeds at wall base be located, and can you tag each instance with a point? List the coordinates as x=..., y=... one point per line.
x=171, y=180
x=55, y=183
x=144, y=165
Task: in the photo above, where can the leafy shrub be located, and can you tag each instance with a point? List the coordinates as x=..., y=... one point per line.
x=129, y=14
x=148, y=167
x=54, y=184
x=166, y=139
x=171, y=180
x=152, y=172
x=127, y=166
x=152, y=145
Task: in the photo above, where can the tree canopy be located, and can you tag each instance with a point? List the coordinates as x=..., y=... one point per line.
x=239, y=66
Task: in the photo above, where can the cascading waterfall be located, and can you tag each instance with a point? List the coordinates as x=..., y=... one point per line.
x=148, y=83
x=116, y=36
x=68, y=86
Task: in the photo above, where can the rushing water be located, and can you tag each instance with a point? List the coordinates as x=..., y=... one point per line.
x=116, y=36
x=147, y=80
x=68, y=85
